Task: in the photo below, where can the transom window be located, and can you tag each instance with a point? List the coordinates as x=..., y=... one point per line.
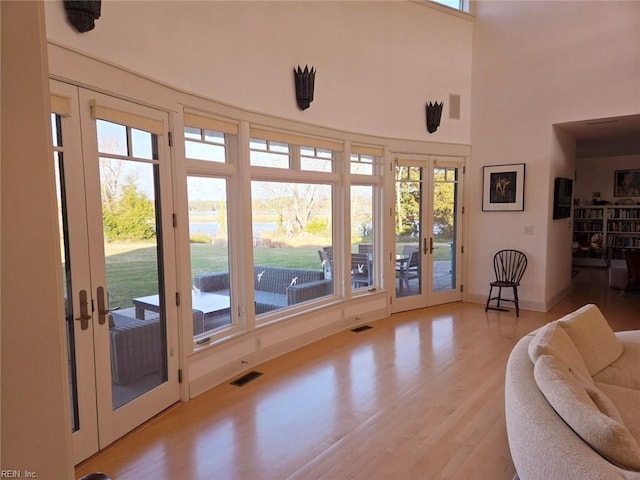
x=316, y=159
x=266, y=153
x=207, y=138
x=457, y=4
x=362, y=164
x=201, y=144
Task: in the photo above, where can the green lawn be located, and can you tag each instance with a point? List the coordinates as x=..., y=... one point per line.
x=132, y=268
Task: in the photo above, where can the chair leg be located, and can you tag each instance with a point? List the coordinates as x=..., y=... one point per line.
x=499, y=297
x=486, y=308
x=515, y=300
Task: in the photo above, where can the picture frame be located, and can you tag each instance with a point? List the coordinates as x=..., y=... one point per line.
x=626, y=183
x=503, y=188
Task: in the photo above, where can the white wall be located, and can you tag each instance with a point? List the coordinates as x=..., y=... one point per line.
x=377, y=62
x=36, y=433
x=596, y=175
x=535, y=64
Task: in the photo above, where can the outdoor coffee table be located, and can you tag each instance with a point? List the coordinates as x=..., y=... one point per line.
x=207, y=303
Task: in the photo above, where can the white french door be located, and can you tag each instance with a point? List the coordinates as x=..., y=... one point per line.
x=428, y=231
x=114, y=176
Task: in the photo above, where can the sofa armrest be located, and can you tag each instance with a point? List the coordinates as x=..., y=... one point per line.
x=309, y=291
x=212, y=282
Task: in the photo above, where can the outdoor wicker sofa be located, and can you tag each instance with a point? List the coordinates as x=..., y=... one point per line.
x=275, y=287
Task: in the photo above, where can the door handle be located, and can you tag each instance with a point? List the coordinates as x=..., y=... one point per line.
x=103, y=311
x=84, y=310
x=431, y=245
x=424, y=245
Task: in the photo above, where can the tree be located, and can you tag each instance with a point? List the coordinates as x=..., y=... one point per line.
x=129, y=217
x=296, y=205
x=443, y=208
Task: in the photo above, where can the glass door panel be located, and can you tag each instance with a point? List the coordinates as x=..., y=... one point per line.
x=113, y=179
x=128, y=183
x=74, y=252
x=444, y=228
x=445, y=208
x=67, y=289
x=408, y=229
x=427, y=231
x=133, y=260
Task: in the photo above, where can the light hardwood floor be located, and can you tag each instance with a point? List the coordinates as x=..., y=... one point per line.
x=419, y=396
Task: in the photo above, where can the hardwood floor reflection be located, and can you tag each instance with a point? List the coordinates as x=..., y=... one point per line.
x=419, y=396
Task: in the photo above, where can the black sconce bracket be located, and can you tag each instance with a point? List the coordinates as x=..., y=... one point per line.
x=82, y=14
x=305, y=80
x=434, y=112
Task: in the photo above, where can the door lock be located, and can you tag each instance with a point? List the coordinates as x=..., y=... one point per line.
x=103, y=311
x=84, y=311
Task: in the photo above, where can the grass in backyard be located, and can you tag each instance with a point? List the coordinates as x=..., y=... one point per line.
x=132, y=268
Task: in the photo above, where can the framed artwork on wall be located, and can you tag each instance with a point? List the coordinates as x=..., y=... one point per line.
x=503, y=188
x=626, y=183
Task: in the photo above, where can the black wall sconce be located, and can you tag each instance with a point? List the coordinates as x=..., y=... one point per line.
x=305, y=80
x=82, y=14
x=434, y=112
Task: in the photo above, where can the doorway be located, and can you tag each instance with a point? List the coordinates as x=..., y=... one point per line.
x=428, y=209
x=113, y=176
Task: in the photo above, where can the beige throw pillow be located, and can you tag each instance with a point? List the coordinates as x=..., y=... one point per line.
x=606, y=435
x=592, y=336
x=553, y=340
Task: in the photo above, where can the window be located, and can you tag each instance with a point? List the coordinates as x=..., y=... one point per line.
x=204, y=144
x=292, y=218
x=210, y=152
x=362, y=251
x=209, y=248
x=366, y=169
x=457, y=4
x=207, y=138
x=291, y=223
x=316, y=159
x=362, y=164
x=265, y=153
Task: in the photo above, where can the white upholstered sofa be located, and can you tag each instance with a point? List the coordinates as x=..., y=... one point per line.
x=572, y=400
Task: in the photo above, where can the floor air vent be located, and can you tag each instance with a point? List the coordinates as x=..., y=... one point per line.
x=361, y=329
x=246, y=378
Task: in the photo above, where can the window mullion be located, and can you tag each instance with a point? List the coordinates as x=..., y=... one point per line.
x=294, y=157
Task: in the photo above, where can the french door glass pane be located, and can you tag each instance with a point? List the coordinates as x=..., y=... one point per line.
x=445, y=187
x=408, y=230
x=362, y=251
x=133, y=261
x=209, y=246
x=68, y=293
x=292, y=230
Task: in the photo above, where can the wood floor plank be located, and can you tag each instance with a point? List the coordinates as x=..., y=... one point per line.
x=419, y=396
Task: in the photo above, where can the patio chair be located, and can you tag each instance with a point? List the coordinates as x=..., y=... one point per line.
x=509, y=266
x=361, y=270
x=408, y=271
x=326, y=259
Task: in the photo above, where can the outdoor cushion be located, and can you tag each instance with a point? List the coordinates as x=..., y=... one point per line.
x=593, y=337
x=605, y=434
x=553, y=340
